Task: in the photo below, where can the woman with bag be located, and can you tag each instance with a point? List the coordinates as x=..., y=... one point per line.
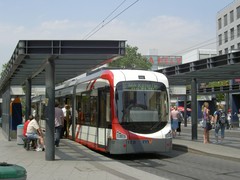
x=174, y=121
x=206, y=122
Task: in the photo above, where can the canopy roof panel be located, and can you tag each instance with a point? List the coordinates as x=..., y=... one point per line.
x=218, y=68
x=72, y=58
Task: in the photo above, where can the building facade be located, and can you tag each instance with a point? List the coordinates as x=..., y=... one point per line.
x=198, y=54
x=228, y=28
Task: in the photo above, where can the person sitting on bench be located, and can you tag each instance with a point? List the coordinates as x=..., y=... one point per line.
x=25, y=131
x=34, y=131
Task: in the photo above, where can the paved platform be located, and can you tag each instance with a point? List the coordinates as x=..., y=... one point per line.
x=228, y=149
x=74, y=161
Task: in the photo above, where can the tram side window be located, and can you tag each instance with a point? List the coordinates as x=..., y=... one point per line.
x=93, y=111
x=104, y=109
x=85, y=99
x=89, y=105
x=80, y=108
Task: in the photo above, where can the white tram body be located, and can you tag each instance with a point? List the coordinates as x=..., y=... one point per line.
x=122, y=111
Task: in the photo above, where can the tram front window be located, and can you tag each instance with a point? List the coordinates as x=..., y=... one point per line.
x=142, y=106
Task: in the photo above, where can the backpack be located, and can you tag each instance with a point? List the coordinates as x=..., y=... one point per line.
x=221, y=117
x=180, y=117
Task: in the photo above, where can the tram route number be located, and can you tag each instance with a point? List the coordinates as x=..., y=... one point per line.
x=145, y=141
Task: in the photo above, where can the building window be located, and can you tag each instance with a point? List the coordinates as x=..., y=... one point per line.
x=219, y=23
x=226, y=50
x=232, y=33
x=225, y=20
x=238, y=30
x=220, y=52
x=225, y=36
x=232, y=47
x=238, y=12
x=220, y=39
x=238, y=46
x=231, y=17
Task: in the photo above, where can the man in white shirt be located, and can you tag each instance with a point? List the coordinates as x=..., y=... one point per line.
x=34, y=131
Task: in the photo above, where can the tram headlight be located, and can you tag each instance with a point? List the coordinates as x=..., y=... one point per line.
x=120, y=135
x=169, y=134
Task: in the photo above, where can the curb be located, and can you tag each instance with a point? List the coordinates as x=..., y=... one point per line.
x=184, y=148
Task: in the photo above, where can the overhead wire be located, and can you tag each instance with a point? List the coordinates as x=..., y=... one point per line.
x=199, y=45
x=97, y=29
x=105, y=19
x=216, y=41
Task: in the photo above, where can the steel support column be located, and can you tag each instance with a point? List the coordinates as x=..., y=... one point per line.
x=28, y=98
x=194, y=116
x=74, y=109
x=185, y=111
x=227, y=102
x=50, y=110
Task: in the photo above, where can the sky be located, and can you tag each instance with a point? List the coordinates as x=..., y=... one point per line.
x=166, y=27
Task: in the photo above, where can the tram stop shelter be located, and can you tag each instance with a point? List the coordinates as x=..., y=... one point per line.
x=217, y=68
x=47, y=63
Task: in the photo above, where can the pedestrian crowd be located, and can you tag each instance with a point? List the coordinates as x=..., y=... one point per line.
x=176, y=120
x=218, y=120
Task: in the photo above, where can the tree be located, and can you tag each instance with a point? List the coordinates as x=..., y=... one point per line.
x=3, y=68
x=219, y=96
x=132, y=59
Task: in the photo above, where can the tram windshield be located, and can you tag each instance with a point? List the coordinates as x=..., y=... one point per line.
x=142, y=106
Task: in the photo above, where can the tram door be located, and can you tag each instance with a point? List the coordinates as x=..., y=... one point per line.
x=104, y=117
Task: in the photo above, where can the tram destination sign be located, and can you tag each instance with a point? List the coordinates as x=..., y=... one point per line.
x=141, y=85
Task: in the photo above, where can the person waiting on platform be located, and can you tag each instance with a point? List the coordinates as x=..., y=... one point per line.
x=220, y=118
x=34, y=131
x=59, y=121
x=25, y=129
x=67, y=118
x=174, y=120
x=206, y=121
x=26, y=125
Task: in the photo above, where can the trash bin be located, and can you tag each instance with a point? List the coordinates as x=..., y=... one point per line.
x=19, y=134
x=12, y=171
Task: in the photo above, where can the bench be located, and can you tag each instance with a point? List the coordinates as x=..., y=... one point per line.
x=28, y=141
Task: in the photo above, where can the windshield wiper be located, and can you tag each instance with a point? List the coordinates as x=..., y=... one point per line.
x=155, y=125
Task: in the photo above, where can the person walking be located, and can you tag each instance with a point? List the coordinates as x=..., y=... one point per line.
x=59, y=121
x=220, y=123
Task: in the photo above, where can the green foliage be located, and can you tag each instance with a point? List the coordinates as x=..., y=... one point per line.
x=218, y=83
x=132, y=59
x=3, y=68
x=219, y=96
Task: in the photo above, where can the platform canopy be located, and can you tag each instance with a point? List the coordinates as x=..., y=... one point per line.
x=218, y=68
x=71, y=57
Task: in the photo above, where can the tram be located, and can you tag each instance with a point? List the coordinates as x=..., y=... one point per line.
x=120, y=111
